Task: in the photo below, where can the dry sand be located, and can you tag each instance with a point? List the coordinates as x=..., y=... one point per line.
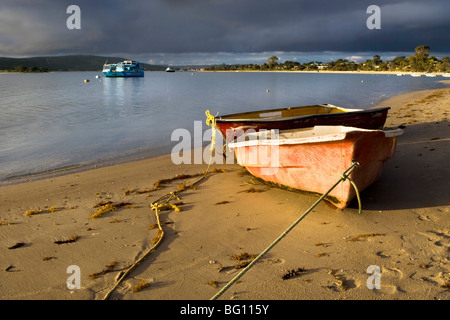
x=404, y=228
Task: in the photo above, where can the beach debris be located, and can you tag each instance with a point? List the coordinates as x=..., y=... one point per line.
x=72, y=239
x=186, y=176
x=102, y=203
x=107, y=269
x=161, y=183
x=224, y=268
x=243, y=256
x=254, y=190
x=141, y=285
x=158, y=237
x=242, y=264
x=38, y=211
x=4, y=223
x=48, y=258
x=168, y=206
x=148, y=190
x=321, y=254
x=243, y=259
x=185, y=186
x=162, y=223
x=32, y=212
x=446, y=285
x=364, y=236
x=321, y=244
x=243, y=172
x=10, y=269
x=129, y=191
x=215, y=170
x=382, y=255
x=221, y=202
x=292, y=273
x=17, y=245
x=213, y=283
x=53, y=209
x=155, y=206
x=107, y=206
x=340, y=282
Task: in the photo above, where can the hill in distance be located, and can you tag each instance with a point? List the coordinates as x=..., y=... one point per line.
x=67, y=63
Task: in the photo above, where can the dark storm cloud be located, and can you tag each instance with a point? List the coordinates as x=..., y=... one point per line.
x=179, y=26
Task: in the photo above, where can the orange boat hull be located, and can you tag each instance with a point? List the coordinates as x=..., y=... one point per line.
x=315, y=167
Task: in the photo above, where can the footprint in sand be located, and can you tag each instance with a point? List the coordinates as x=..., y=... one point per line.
x=424, y=218
x=274, y=261
x=389, y=278
x=438, y=237
x=392, y=289
x=381, y=254
x=393, y=272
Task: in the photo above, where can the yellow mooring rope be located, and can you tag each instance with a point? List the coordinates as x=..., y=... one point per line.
x=211, y=121
x=156, y=205
x=343, y=177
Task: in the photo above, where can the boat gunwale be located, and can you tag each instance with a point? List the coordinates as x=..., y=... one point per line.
x=225, y=119
x=314, y=138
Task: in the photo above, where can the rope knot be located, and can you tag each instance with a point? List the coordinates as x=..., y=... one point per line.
x=211, y=121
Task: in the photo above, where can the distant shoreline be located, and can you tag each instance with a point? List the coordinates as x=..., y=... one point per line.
x=270, y=71
x=331, y=71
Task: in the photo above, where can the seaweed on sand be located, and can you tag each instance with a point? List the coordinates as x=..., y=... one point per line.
x=72, y=239
x=108, y=206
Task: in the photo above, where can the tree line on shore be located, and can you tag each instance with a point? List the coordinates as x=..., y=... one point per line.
x=420, y=61
x=27, y=69
x=63, y=63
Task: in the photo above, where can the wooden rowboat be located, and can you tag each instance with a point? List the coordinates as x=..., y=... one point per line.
x=233, y=125
x=312, y=159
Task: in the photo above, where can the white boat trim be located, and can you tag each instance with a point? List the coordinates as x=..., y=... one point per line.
x=302, y=136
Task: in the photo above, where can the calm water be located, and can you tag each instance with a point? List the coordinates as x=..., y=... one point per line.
x=54, y=120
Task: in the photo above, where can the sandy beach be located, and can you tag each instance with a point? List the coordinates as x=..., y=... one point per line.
x=46, y=226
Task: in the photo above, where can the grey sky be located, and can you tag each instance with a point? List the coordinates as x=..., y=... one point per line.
x=215, y=31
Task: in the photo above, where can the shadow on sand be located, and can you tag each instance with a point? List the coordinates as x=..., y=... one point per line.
x=418, y=176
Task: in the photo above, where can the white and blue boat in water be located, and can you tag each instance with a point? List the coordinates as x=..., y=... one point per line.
x=127, y=68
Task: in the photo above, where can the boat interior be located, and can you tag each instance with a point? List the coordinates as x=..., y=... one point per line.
x=287, y=112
